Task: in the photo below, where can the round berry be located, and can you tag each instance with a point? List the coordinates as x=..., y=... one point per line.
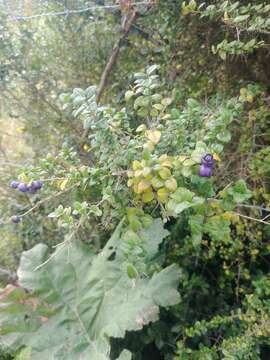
x=37, y=184
x=14, y=184
x=208, y=160
x=205, y=171
x=22, y=187
x=16, y=219
x=31, y=188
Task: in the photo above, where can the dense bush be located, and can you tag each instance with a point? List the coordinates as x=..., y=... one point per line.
x=142, y=212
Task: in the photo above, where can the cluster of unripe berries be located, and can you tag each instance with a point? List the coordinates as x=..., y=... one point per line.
x=31, y=188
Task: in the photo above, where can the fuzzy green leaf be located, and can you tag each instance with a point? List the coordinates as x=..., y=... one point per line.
x=78, y=301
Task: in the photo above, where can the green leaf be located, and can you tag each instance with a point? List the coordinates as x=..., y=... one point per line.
x=196, y=229
x=218, y=229
x=25, y=354
x=181, y=200
x=141, y=101
x=153, y=237
x=159, y=107
x=237, y=193
x=131, y=271
x=125, y=355
x=182, y=194
x=152, y=69
x=240, y=18
x=94, y=209
x=128, y=95
x=186, y=171
x=178, y=208
x=224, y=136
x=87, y=299
x=87, y=123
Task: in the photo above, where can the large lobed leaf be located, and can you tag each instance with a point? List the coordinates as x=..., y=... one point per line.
x=76, y=301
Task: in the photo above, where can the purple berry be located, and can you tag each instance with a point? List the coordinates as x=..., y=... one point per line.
x=205, y=171
x=14, y=184
x=34, y=186
x=31, y=188
x=208, y=160
x=37, y=184
x=22, y=187
x=16, y=219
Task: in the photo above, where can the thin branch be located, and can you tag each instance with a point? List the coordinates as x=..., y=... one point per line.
x=148, y=36
x=115, y=52
x=39, y=203
x=63, y=245
x=254, y=207
x=15, y=97
x=126, y=26
x=243, y=28
x=60, y=247
x=251, y=218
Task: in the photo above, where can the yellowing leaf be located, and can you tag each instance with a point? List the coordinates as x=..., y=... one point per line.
x=130, y=182
x=243, y=91
x=143, y=186
x=163, y=157
x=157, y=183
x=182, y=158
x=86, y=147
x=148, y=196
x=185, y=10
x=154, y=136
x=216, y=157
x=149, y=146
x=162, y=195
x=164, y=173
x=146, y=171
x=250, y=98
x=136, y=165
x=231, y=216
x=20, y=130
x=166, y=160
x=130, y=173
x=141, y=128
x=171, y=184
x=137, y=173
x=63, y=184
x=23, y=178
x=135, y=188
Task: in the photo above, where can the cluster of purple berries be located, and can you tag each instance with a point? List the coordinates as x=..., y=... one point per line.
x=31, y=188
x=207, y=165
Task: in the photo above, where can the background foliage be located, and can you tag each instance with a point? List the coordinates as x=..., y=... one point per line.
x=191, y=78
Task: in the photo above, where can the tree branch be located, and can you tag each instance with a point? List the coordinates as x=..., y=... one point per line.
x=126, y=26
x=115, y=52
